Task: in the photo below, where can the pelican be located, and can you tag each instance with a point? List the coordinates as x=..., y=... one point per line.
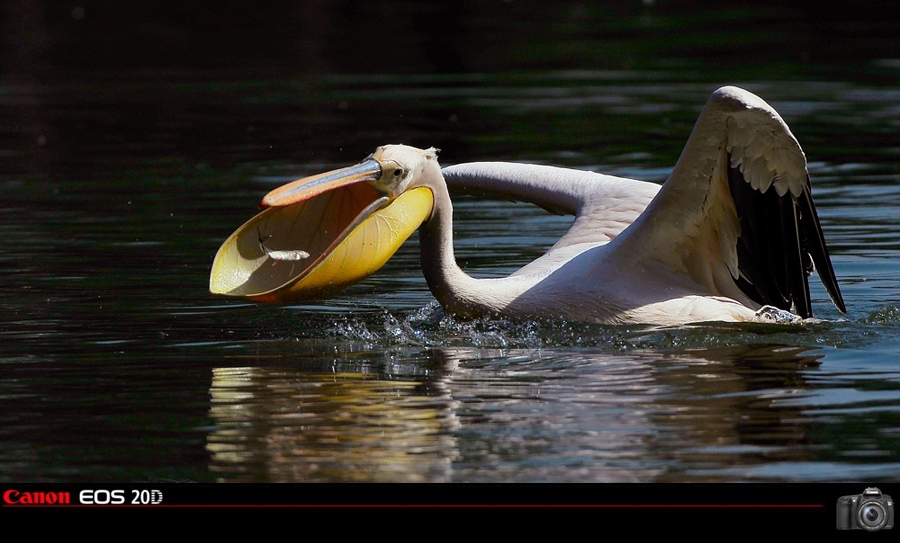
x=732, y=234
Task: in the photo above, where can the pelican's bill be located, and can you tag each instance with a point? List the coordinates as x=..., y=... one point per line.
x=348, y=233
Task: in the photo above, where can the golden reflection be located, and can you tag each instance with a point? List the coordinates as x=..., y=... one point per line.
x=286, y=425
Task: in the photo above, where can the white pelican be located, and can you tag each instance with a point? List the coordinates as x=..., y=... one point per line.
x=730, y=236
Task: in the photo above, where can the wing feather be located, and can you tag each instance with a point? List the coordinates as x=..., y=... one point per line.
x=739, y=201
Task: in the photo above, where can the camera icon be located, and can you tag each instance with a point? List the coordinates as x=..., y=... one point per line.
x=870, y=511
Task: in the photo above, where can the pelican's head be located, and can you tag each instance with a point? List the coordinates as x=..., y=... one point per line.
x=323, y=233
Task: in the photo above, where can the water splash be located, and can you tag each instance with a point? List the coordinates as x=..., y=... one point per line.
x=884, y=315
x=431, y=327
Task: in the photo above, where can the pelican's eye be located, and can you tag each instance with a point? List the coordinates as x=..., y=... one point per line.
x=394, y=178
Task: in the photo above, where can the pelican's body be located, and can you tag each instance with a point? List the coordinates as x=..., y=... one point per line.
x=591, y=274
x=733, y=229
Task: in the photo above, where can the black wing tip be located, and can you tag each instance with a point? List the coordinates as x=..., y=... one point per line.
x=818, y=250
x=777, y=256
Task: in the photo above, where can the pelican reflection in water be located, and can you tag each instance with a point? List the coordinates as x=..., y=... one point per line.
x=732, y=235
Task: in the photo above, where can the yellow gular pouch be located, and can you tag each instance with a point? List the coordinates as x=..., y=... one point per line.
x=318, y=246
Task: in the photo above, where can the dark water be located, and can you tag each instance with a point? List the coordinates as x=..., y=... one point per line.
x=127, y=156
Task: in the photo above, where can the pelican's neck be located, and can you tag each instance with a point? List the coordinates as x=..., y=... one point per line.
x=457, y=291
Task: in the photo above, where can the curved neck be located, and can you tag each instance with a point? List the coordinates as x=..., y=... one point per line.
x=457, y=291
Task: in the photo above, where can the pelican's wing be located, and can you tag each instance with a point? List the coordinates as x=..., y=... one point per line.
x=603, y=205
x=736, y=214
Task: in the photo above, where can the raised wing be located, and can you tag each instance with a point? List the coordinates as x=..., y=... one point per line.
x=736, y=214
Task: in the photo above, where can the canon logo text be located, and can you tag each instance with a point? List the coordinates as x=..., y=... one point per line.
x=14, y=497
